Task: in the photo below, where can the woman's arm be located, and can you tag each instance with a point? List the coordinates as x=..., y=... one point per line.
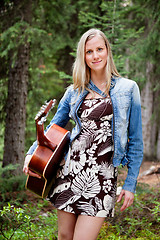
x=134, y=152
x=60, y=118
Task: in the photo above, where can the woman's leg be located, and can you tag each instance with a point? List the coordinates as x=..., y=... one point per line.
x=87, y=228
x=66, y=225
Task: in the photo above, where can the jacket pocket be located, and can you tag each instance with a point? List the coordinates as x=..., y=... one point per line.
x=123, y=100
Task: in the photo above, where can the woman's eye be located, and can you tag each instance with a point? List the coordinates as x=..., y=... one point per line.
x=89, y=51
x=100, y=49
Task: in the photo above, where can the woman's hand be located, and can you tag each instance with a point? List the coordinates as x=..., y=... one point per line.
x=128, y=199
x=26, y=169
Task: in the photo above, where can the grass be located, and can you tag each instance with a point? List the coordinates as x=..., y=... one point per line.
x=139, y=221
x=28, y=222
x=25, y=216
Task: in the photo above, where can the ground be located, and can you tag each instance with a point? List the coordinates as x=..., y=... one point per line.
x=140, y=217
x=152, y=179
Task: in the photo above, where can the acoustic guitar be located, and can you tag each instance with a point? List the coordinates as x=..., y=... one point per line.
x=48, y=154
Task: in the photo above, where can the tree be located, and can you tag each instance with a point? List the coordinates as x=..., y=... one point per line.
x=144, y=64
x=38, y=41
x=39, y=29
x=17, y=81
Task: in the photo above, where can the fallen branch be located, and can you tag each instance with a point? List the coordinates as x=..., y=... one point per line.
x=151, y=170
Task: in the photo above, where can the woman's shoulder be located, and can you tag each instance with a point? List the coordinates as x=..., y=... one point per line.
x=70, y=89
x=125, y=80
x=70, y=93
x=125, y=83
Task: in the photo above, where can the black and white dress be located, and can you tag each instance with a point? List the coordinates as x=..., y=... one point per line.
x=90, y=186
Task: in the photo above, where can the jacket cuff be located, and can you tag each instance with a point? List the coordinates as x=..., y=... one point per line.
x=32, y=148
x=130, y=184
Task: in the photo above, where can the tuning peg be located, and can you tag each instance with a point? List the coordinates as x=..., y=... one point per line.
x=44, y=110
x=43, y=119
x=54, y=102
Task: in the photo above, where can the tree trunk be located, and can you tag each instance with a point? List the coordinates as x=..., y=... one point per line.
x=147, y=108
x=158, y=145
x=16, y=109
x=155, y=122
x=14, y=140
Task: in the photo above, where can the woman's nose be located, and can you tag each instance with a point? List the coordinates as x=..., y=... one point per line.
x=95, y=55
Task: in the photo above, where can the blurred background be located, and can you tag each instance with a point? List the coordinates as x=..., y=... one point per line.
x=38, y=41
x=37, y=48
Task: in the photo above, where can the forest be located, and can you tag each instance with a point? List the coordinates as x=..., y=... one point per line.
x=38, y=41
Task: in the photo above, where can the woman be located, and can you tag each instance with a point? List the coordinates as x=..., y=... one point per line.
x=108, y=132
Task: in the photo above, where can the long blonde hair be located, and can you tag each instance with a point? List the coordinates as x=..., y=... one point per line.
x=81, y=72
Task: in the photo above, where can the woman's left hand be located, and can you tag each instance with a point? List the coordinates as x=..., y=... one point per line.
x=128, y=199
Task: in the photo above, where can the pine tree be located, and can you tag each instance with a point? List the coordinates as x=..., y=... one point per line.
x=17, y=81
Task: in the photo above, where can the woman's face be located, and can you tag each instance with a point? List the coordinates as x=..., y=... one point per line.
x=96, y=54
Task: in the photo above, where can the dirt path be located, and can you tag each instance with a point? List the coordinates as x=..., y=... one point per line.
x=153, y=180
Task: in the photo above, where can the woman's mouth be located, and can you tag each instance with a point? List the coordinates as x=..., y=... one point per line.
x=97, y=62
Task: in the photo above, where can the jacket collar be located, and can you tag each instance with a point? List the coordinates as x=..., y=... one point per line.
x=93, y=87
x=113, y=81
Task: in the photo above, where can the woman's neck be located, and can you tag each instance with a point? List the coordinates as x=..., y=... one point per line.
x=99, y=79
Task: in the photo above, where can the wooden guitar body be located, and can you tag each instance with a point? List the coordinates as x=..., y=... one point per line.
x=45, y=162
x=46, y=158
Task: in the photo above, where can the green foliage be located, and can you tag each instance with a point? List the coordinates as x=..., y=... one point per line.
x=12, y=38
x=131, y=27
x=140, y=221
x=156, y=210
x=49, y=40
x=17, y=223
x=13, y=219
x=47, y=83
x=37, y=219
x=145, y=14
x=9, y=182
x=111, y=20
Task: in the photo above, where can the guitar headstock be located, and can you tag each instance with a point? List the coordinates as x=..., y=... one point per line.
x=43, y=113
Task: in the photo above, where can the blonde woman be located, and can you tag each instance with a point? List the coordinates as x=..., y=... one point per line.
x=108, y=132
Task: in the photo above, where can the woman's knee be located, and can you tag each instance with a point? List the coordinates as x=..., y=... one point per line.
x=87, y=227
x=66, y=225
x=65, y=235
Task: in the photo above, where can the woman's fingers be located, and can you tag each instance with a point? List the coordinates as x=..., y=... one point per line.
x=26, y=169
x=33, y=174
x=120, y=196
x=128, y=199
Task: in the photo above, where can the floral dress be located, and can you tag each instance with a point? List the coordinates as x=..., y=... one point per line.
x=90, y=186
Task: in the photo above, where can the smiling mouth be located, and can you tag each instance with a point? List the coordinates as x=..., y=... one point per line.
x=97, y=62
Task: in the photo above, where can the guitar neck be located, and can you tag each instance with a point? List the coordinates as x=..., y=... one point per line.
x=42, y=139
x=43, y=113
x=40, y=119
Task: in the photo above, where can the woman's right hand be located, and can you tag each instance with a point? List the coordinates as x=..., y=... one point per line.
x=26, y=169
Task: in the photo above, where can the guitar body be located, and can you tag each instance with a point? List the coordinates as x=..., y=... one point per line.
x=45, y=161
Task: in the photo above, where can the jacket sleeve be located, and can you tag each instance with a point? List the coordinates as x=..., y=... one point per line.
x=135, y=143
x=60, y=118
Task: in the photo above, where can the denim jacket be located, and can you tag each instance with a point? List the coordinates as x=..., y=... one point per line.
x=126, y=124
